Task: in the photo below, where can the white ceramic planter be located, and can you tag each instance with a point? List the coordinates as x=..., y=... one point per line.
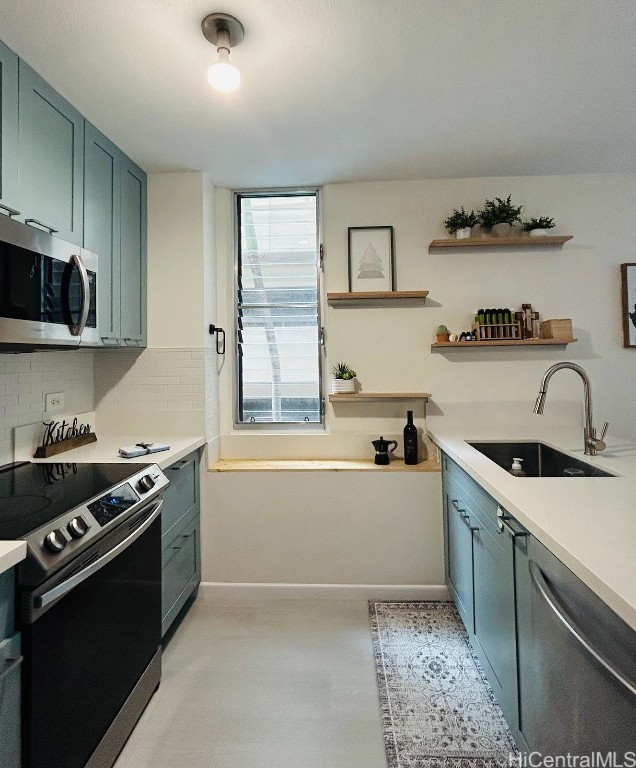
x=502, y=230
x=463, y=234
x=539, y=232
x=343, y=385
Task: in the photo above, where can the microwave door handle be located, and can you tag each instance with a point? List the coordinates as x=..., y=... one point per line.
x=76, y=260
x=77, y=578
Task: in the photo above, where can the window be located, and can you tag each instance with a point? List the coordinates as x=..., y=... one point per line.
x=277, y=308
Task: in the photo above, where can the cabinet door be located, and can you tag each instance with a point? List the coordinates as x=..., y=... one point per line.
x=133, y=254
x=495, y=630
x=51, y=158
x=8, y=129
x=102, y=171
x=180, y=571
x=460, y=554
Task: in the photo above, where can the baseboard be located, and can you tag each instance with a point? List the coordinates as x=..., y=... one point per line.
x=246, y=591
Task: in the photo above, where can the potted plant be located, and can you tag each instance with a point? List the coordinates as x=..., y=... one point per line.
x=344, y=378
x=499, y=215
x=459, y=223
x=538, y=227
x=442, y=334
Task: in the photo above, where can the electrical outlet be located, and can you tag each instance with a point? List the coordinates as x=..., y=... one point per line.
x=54, y=401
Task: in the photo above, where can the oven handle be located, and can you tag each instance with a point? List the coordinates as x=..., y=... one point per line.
x=77, y=578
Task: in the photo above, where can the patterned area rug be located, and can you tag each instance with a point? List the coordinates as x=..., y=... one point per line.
x=438, y=710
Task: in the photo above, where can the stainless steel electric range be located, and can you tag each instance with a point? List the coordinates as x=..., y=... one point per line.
x=88, y=604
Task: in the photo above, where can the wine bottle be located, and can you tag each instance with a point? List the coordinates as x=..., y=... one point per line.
x=410, y=440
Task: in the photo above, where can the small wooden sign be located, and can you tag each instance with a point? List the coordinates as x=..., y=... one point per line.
x=61, y=436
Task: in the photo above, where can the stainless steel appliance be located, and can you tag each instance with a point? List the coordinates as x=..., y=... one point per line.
x=88, y=602
x=48, y=290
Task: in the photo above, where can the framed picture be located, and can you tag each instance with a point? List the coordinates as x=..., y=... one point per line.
x=371, y=266
x=628, y=273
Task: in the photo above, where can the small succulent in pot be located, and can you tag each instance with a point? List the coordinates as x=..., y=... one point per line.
x=499, y=215
x=442, y=333
x=459, y=223
x=538, y=226
x=344, y=378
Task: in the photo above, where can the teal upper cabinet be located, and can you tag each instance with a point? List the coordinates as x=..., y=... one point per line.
x=8, y=130
x=51, y=154
x=133, y=254
x=102, y=172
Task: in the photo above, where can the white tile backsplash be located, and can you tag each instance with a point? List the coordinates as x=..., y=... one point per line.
x=26, y=378
x=143, y=384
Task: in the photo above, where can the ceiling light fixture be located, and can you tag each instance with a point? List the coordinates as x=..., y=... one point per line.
x=223, y=31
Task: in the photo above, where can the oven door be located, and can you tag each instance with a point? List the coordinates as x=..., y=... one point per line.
x=89, y=635
x=48, y=289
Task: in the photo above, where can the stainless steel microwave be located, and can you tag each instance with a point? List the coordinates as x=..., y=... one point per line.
x=48, y=290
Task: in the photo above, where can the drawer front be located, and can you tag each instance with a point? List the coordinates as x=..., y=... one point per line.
x=7, y=597
x=10, y=675
x=181, y=571
x=182, y=493
x=482, y=504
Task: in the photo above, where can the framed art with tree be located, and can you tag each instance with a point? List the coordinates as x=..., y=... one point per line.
x=371, y=259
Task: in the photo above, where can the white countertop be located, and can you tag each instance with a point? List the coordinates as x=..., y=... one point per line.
x=105, y=451
x=589, y=523
x=11, y=553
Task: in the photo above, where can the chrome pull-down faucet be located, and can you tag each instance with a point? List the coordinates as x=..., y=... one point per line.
x=592, y=444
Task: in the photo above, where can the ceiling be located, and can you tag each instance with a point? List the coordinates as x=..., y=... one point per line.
x=347, y=90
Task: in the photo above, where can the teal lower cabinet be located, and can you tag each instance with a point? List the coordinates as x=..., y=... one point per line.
x=10, y=676
x=180, y=542
x=562, y=664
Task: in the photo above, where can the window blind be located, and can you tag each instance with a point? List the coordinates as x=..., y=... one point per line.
x=277, y=309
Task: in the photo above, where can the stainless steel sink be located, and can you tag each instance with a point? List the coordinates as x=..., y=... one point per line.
x=539, y=460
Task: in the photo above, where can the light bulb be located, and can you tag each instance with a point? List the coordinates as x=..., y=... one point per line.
x=222, y=75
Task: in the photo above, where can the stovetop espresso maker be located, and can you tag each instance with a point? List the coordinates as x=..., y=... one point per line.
x=382, y=450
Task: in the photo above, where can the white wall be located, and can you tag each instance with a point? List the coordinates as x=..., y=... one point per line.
x=278, y=527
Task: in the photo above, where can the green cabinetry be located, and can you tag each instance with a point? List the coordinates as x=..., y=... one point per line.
x=10, y=676
x=480, y=576
x=180, y=530
x=8, y=130
x=133, y=254
x=115, y=228
x=51, y=159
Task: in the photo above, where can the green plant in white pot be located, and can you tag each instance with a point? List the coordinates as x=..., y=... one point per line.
x=538, y=227
x=344, y=378
x=499, y=216
x=459, y=223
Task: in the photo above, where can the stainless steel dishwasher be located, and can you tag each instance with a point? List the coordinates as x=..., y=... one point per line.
x=577, y=663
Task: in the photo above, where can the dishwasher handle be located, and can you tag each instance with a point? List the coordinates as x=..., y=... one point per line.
x=539, y=580
x=77, y=578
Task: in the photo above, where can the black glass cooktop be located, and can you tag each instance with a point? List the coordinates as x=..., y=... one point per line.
x=32, y=495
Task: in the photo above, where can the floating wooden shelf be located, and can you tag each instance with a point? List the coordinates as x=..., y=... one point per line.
x=503, y=343
x=351, y=397
x=321, y=465
x=499, y=242
x=348, y=298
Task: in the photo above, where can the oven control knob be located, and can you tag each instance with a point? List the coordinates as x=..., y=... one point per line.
x=77, y=527
x=146, y=483
x=55, y=541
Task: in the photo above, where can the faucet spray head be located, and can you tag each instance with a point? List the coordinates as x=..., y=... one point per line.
x=540, y=403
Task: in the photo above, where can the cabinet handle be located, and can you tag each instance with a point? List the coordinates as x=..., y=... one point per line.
x=177, y=548
x=11, y=665
x=186, y=535
x=503, y=524
x=539, y=580
x=50, y=230
x=455, y=503
x=9, y=210
x=181, y=465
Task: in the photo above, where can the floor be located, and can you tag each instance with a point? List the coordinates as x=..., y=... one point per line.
x=264, y=684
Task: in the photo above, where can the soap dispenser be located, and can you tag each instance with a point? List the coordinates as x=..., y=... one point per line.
x=517, y=468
